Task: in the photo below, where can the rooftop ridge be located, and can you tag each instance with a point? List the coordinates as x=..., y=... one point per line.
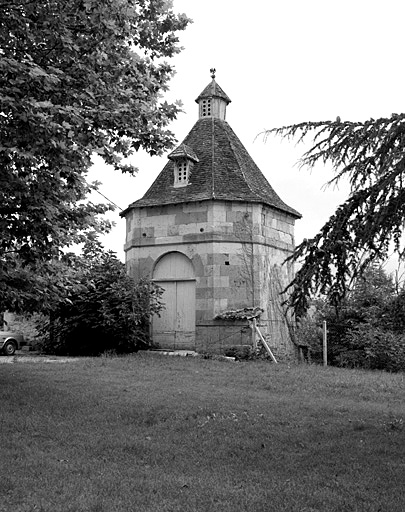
x=213, y=157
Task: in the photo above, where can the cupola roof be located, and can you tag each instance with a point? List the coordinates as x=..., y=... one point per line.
x=213, y=90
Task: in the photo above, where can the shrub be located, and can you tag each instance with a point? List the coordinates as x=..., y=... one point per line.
x=106, y=310
x=240, y=352
x=374, y=348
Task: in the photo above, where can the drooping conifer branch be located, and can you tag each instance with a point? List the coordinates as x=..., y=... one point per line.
x=371, y=156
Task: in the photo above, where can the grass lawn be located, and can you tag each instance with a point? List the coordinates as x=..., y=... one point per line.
x=153, y=433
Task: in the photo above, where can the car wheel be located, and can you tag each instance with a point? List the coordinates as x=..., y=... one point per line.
x=9, y=348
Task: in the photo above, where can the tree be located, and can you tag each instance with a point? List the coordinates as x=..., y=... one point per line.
x=76, y=78
x=371, y=297
x=371, y=156
x=366, y=330
x=103, y=309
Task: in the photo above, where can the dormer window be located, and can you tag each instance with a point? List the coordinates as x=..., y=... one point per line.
x=183, y=158
x=181, y=172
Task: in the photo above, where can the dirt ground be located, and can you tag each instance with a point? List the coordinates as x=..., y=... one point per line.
x=33, y=357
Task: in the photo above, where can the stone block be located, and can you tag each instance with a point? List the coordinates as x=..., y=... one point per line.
x=242, y=207
x=205, y=304
x=161, y=231
x=220, y=305
x=135, y=233
x=225, y=270
x=141, y=267
x=212, y=270
x=173, y=230
x=140, y=212
x=201, y=206
x=221, y=281
x=285, y=237
x=189, y=229
x=196, y=261
x=146, y=232
x=232, y=216
x=216, y=259
x=156, y=211
x=191, y=218
x=213, y=281
x=204, y=293
x=202, y=282
x=173, y=241
x=220, y=292
x=217, y=212
x=201, y=315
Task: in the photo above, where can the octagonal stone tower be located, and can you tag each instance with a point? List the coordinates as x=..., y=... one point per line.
x=214, y=234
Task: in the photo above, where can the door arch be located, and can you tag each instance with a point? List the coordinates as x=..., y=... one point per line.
x=175, y=328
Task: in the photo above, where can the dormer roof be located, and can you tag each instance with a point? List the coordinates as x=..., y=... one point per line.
x=183, y=151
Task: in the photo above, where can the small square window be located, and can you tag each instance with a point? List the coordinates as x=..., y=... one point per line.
x=181, y=173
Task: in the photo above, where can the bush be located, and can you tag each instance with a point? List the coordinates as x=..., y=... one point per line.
x=308, y=333
x=240, y=352
x=374, y=348
x=351, y=359
x=365, y=331
x=106, y=310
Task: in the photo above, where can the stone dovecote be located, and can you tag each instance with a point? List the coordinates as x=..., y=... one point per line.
x=214, y=234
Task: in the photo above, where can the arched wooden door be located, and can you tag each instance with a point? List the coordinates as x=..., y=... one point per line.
x=175, y=328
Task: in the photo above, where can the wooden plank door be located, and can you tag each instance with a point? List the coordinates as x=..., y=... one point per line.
x=175, y=329
x=185, y=315
x=164, y=326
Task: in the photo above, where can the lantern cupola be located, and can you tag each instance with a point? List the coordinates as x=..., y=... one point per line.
x=212, y=102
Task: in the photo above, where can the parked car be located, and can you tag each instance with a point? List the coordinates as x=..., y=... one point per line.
x=10, y=342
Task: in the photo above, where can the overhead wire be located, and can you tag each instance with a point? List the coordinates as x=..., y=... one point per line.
x=109, y=200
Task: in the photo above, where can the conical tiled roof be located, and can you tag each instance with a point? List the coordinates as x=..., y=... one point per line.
x=224, y=171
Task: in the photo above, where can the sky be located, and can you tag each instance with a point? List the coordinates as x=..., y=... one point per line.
x=281, y=62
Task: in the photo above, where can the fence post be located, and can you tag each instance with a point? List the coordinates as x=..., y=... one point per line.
x=325, y=344
x=253, y=327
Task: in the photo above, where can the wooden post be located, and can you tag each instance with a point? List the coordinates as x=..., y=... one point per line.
x=253, y=327
x=325, y=344
x=265, y=345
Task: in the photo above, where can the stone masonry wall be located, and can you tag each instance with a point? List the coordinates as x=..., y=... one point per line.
x=237, y=250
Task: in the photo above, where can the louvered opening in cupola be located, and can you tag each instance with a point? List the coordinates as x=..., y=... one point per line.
x=205, y=108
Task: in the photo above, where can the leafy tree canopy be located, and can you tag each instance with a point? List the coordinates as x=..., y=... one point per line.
x=371, y=156
x=77, y=77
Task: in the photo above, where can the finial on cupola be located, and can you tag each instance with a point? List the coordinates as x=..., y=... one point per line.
x=212, y=71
